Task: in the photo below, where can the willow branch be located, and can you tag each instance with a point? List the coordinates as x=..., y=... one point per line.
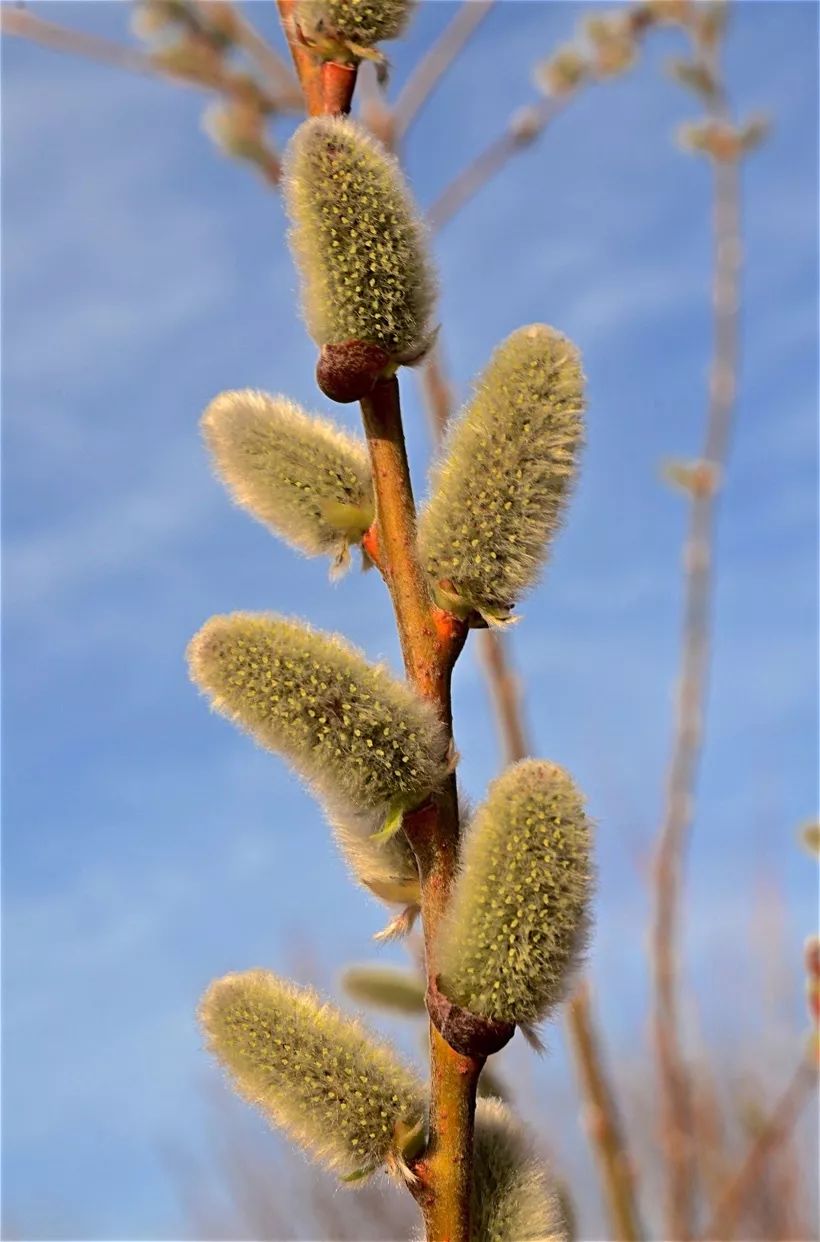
x=307, y=66
x=396, y=526
x=432, y=67
x=523, y=128
x=284, y=86
x=675, y=1093
x=327, y=86
x=779, y=1124
x=505, y=690
x=489, y=162
x=430, y=643
x=607, y=1143
x=20, y=23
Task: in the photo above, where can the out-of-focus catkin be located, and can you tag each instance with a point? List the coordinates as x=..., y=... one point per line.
x=513, y=1198
x=499, y=491
x=359, y=244
x=305, y=478
x=314, y=1072
x=519, y=912
x=385, y=987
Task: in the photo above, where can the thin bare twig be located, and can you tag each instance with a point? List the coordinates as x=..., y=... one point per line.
x=505, y=691
x=284, y=85
x=607, y=1142
x=802, y=1085
x=525, y=127
x=492, y=159
x=25, y=25
x=687, y=743
x=432, y=67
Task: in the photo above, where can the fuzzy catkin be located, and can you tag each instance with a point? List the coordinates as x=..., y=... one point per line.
x=499, y=491
x=305, y=478
x=513, y=1199
x=311, y=1070
x=362, y=23
x=358, y=241
x=364, y=740
x=519, y=911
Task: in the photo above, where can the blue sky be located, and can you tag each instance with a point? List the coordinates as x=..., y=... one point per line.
x=147, y=846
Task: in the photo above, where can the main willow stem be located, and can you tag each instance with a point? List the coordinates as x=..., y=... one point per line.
x=430, y=643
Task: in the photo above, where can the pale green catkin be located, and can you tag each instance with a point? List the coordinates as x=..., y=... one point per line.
x=305, y=478
x=499, y=491
x=513, y=1199
x=364, y=740
x=311, y=1070
x=358, y=241
x=362, y=23
x=385, y=987
x=519, y=912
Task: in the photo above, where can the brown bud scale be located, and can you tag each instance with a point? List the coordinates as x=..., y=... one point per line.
x=350, y=370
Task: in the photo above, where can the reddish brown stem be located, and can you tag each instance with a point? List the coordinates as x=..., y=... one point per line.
x=435, y=63
x=25, y=25
x=338, y=85
x=430, y=645
x=327, y=86
x=308, y=68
